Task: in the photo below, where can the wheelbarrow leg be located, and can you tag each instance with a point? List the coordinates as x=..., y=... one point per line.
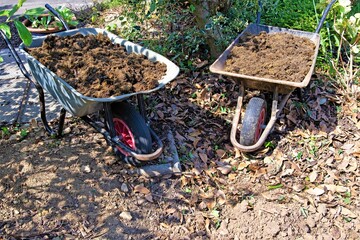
x=43, y=110
x=61, y=122
x=141, y=104
x=109, y=119
x=37, y=86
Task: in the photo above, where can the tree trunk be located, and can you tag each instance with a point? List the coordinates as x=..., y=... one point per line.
x=204, y=9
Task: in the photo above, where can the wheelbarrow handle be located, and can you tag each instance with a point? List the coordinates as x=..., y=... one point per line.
x=57, y=14
x=323, y=17
x=321, y=22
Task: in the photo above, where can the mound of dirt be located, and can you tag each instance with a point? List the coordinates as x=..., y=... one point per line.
x=96, y=67
x=280, y=56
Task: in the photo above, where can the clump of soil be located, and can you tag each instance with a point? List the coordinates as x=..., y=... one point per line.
x=96, y=67
x=280, y=56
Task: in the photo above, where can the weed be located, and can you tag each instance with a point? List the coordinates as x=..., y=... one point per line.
x=23, y=133
x=269, y=144
x=299, y=155
x=187, y=190
x=272, y=187
x=5, y=131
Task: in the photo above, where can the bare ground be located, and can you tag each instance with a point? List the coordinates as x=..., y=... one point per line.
x=304, y=185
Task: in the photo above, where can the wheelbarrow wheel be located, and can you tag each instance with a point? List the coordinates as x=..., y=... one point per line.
x=130, y=126
x=254, y=119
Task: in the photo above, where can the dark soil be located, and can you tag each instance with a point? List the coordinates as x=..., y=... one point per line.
x=15, y=39
x=280, y=56
x=96, y=67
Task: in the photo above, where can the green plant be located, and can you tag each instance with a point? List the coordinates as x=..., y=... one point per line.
x=24, y=33
x=269, y=144
x=272, y=187
x=5, y=131
x=39, y=18
x=23, y=133
x=67, y=15
x=345, y=30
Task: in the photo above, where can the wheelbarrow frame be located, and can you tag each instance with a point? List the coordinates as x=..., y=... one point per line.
x=277, y=86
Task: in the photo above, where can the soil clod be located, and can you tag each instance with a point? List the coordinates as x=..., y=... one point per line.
x=96, y=67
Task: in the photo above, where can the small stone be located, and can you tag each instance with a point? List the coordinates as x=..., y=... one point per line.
x=272, y=229
x=76, y=130
x=33, y=123
x=322, y=209
x=13, y=138
x=308, y=236
x=284, y=213
x=298, y=187
x=67, y=130
x=124, y=188
x=75, y=140
x=311, y=222
x=326, y=236
x=86, y=169
x=243, y=206
x=304, y=227
x=126, y=216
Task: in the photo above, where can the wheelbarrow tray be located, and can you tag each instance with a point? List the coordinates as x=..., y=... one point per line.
x=73, y=101
x=260, y=83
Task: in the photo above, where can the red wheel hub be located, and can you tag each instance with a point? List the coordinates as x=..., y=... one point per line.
x=123, y=131
x=260, y=122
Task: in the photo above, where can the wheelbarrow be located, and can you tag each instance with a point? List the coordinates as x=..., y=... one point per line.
x=126, y=129
x=254, y=132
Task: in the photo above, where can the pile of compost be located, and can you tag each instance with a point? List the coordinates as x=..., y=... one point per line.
x=96, y=67
x=280, y=56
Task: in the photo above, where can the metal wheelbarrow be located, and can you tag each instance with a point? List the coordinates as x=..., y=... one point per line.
x=124, y=128
x=253, y=132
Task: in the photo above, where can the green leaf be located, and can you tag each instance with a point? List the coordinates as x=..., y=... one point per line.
x=5, y=12
x=13, y=10
x=1, y=59
x=271, y=187
x=35, y=11
x=24, y=33
x=6, y=29
x=21, y=2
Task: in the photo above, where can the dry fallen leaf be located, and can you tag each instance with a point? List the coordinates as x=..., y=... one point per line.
x=170, y=210
x=298, y=187
x=315, y=191
x=313, y=175
x=164, y=226
x=226, y=169
x=346, y=212
x=221, y=153
x=221, y=198
x=149, y=198
x=243, y=165
x=335, y=188
x=160, y=114
x=203, y=157
x=196, y=141
x=141, y=189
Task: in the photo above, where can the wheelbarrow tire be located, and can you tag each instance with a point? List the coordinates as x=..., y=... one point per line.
x=136, y=134
x=253, y=121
